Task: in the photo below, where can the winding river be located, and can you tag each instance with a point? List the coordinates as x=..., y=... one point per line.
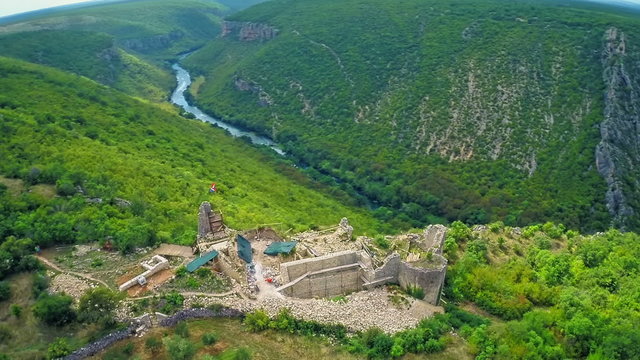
x=178, y=98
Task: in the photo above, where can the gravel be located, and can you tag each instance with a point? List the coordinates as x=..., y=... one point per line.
x=361, y=311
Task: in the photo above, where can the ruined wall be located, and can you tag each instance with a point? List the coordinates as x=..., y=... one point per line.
x=430, y=279
x=326, y=283
x=325, y=276
x=204, y=226
x=294, y=269
x=385, y=274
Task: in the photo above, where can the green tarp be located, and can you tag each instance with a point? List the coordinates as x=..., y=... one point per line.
x=281, y=247
x=197, y=262
x=244, y=249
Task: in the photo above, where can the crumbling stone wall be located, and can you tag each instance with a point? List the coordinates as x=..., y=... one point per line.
x=385, y=274
x=432, y=239
x=429, y=279
x=324, y=276
x=294, y=269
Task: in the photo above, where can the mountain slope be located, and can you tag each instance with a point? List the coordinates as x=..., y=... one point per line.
x=472, y=110
x=97, y=146
x=123, y=45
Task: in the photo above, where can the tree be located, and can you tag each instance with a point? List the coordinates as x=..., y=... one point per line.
x=179, y=348
x=54, y=310
x=98, y=304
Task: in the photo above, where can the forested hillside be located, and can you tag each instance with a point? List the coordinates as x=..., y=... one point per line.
x=123, y=45
x=442, y=110
x=82, y=162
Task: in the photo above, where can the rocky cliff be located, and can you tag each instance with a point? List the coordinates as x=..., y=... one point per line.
x=248, y=31
x=153, y=43
x=618, y=153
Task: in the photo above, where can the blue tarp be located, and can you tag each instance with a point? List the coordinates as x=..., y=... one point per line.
x=280, y=247
x=197, y=262
x=244, y=249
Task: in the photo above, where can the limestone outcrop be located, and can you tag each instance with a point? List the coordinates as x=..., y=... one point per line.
x=248, y=31
x=152, y=43
x=618, y=153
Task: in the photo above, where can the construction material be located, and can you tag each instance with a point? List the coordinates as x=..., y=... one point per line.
x=198, y=262
x=282, y=247
x=244, y=249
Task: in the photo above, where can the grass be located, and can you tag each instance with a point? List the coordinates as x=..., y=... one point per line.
x=29, y=337
x=157, y=159
x=231, y=334
x=14, y=186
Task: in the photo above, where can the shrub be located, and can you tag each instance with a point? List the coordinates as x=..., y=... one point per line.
x=182, y=329
x=209, y=338
x=193, y=283
x=415, y=291
x=40, y=284
x=181, y=271
x=54, y=309
x=179, y=348
x=5, y=291
x=98, y=304
x=203, y=272
x=59, y=348
x=153, y=344
x=16, y=310
x=381, y=242
x=242, y=354
x=5, y=333
x=257, y=320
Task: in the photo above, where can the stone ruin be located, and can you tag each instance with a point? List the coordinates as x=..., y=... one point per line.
x=211, y=228
x=347, y=271
x=152, y=266
x=331, y=263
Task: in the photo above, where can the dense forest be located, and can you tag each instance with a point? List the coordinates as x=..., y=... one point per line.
x=85, y=146
x=439, y=111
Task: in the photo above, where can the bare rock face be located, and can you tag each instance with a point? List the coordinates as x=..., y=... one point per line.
x=152, y=43
x=618, y=153
x=248, y=31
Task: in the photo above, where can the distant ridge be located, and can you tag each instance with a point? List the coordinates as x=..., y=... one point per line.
x=52, y=10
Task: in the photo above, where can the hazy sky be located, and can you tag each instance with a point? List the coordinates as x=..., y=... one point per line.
x=10, y=7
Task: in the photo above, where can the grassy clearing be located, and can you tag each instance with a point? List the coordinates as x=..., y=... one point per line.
x=29, y=337
x=231, y=334
x=14, y=186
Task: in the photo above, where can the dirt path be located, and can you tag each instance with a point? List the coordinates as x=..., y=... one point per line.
x=57, y=268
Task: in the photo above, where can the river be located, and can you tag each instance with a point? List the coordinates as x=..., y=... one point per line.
x=184, y=81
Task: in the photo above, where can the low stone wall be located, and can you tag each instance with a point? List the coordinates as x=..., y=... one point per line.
x=99, y=345
x=200, y=313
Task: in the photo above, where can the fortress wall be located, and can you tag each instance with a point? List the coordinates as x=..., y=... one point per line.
x=430, y=280
x=325, y=276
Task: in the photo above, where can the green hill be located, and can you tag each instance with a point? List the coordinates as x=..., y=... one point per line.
x=123, y=45
x=97, y=146
x=442, y=110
